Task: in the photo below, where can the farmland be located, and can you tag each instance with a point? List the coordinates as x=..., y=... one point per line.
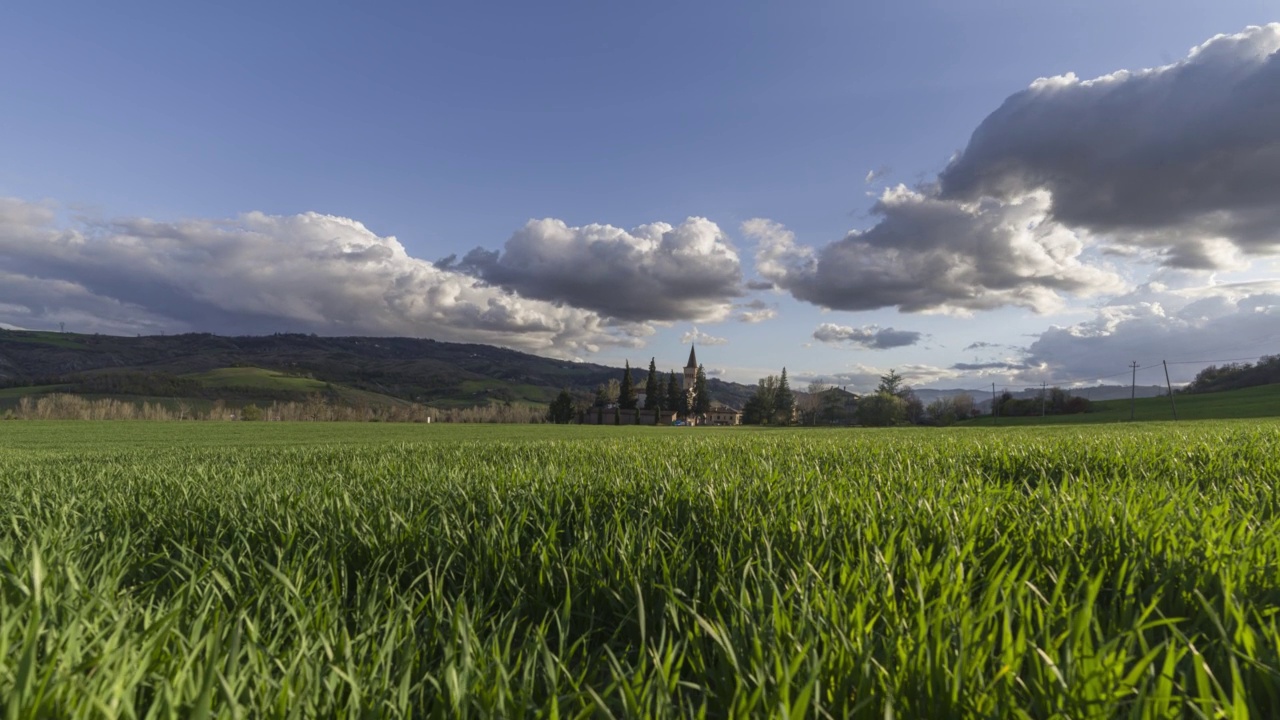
x=279, y=570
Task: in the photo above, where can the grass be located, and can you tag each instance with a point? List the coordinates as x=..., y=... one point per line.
x=35, y=337
x=252, y=377
x=1255, y=402
x=281, y=570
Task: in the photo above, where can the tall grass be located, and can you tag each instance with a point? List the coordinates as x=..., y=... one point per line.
x=1090, y=573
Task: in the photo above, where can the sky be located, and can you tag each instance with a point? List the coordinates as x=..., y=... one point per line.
x=970, y=193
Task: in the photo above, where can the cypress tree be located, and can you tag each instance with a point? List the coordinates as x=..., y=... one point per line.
x=562, y=409
x=701, y=396
x=652, y=391
x=627, y=391
x=785, y=400
x=675, y=398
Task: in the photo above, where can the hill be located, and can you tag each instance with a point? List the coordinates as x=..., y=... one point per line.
x=207, y=367
x=1255, y=402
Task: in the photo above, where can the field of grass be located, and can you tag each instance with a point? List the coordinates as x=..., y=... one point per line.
x=317, y=570
x=1255, y=402
x=252, y=377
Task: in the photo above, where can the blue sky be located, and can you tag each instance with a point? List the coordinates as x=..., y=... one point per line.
x=450, y=128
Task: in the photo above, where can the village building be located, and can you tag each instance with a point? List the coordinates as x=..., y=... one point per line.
x=720, y=414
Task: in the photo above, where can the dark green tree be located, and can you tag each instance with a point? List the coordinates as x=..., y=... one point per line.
x=561, y=411
x=627, y=390
x=607, y=393
x=784, y=401
x=891, y=384
x=675, y=396
x=652, y=390
x=701, y=395
x=760, y=407
x=882, y=410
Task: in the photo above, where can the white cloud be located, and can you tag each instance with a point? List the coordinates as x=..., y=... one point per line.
x=756, y=311
x=698, y=337
x=654, y=272
x=1182, y=159
x=1158, y=322
x=262, y=273
x=865, y=378
x=932, y=255
x=1177, y=165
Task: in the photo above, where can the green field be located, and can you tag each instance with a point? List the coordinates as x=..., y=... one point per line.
x=370, y=570
x=1255, y=402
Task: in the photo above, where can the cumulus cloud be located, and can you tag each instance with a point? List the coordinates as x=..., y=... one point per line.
x=756, y=311
x=865, y=378
x=1160, y=322
x=697, y=336
x=262, y=273
x=1183, y=159
x=871, y=337
x=654, y=272
x=1177, y=165
x=931, y=254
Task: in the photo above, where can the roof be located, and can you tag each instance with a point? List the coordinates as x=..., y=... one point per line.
x=693, y=360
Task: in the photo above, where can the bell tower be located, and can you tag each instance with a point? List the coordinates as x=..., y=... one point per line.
x=690, y=371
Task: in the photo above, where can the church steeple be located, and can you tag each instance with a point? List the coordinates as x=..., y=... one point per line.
x=693, y=359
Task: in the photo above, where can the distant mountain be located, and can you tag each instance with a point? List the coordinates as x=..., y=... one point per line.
x=1096, y=392
x=436, y=373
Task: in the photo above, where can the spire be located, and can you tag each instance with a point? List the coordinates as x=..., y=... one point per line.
x=693, y=359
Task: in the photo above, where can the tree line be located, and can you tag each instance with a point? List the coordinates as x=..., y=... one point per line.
x=668, y=396
x=892, y=403
x=1234, y=376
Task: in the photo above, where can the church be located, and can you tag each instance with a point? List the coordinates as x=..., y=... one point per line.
x=719, y=414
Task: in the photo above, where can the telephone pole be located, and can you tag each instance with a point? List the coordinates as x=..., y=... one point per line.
x=1043, y=385
x=1169, y=385
x=1133, y=388
x=995, y=417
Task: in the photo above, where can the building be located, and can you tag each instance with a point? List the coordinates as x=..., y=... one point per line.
x=720, y=413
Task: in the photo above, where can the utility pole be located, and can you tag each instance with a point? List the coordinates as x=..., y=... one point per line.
x=1169, y=385
x=995, y=416
x=1043, y=385
x=1133, y=388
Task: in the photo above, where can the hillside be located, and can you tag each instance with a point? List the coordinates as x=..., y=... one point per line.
x=373, y=370
x=1254, y=402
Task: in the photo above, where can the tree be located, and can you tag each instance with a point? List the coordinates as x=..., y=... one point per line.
x=561, y=411
x=652, y=393
x=753, y=412
x=675, y=397
x=760, y=407
x=784, y=401
x=810, y=403
x=701, y=396
x=890, y=384
x=835, y=407
x=942, y=411
x=627, y=390
x=607, y=393
x=912, y=405
x=882, y=410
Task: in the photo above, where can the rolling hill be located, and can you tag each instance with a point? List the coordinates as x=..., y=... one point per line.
x=370, y=370
x=1253, y=402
